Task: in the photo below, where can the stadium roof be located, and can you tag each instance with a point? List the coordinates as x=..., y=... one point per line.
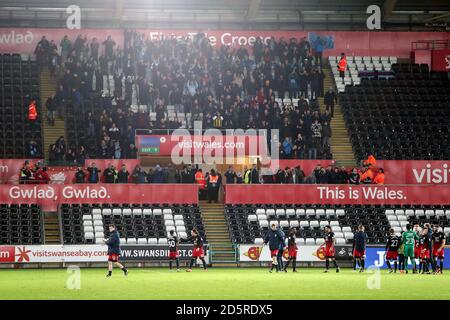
x=235, y=14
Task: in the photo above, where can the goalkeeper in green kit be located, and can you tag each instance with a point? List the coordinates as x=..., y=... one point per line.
x=409, y=239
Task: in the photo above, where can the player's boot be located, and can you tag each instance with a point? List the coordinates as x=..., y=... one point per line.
x=125, y=272
x=326, y=271
x=338, y=270
x=178, y=270
x=109, y=275
x=390, y=270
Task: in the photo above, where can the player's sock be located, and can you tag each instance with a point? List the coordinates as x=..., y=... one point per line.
x=294, y=264
x=170, y=264
x=287, y=264
x=354, y=264
x=109, y=273
x=363, y=263
x=327, y=264
x=204, y=263
x=191, y=263
x=335, y=264
x=420, y=267
x=441, y=265
x=177, y=261
x=395, y=266
x=125, y=270
x=389, y=264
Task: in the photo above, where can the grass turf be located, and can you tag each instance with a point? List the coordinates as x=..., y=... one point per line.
x=236, y=283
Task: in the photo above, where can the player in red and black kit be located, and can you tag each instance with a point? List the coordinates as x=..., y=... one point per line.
x=392, y=246
x=173, y=242
x=424, y=247
x=329, y=249
x=438, y=240
x=198, y=251
x=292, y=250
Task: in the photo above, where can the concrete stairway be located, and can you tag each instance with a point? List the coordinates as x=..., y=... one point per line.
x=50, y=133
x=341, y=146
x=222, y=252
x=51, y=228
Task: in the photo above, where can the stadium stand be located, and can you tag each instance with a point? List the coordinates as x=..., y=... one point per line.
x=249, y=223
x=21, y=224
x=19, y=79
x=137, y=224
x=402, y=118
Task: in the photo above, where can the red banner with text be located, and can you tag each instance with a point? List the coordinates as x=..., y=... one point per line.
x=10, y=169
x=50, y=196
x=336, y=194
x=24, y=40
x=440, y=60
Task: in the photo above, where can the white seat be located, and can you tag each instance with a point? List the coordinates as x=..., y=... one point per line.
x=252, y=217
x=162, y=241
x=98, y=240
x=261, y=217
x=403, y=223
x=310, y=213
x=263, y=223
x=98, y=223
x=106, y=212
x=397, y=229
x=314, y=224
x=167, y=211
x=96, y=211
x=429, y=213
x=389, y=212
x=131, y=241
x=142, y=241
x=399, y=212
x=270, y=212
x=334, y=223
x=260, y=211
x=348, y=235
x=168, y=217
x=87, y=223
x=340, y=212
x=100, y=234
x=402, y=218
x=259, y=241
x=147, y=212
x=346, y=229
x=419, y=212
x=89, y=235
x=290, y=213
x=340, y=241
x=157, y=212
x=117, y=211
x=300, y=241
x=284, y=223
x=394, y=223
x=98, y=229
x=330, y=213
x=178, y=217
x=338, y=235
x=447, y=231
x=88, y=228
x=440, y=213
x=300, y=213
x=126, y=212
x=409, y=212
x=310, y=241
x=137, y=212
x=169, y=223
x=336, y=228
x=180, y=229
x=280, y=212
x=304, y=224
x=447, y=213
x=152, y=241
x=179, y=222
x=324, y=223
x=320, y=212
x=392, y=217
x=97, y=217
x=182, y=235
x=294, y=223
x=87, y=217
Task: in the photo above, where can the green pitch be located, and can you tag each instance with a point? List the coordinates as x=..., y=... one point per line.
x=221, y=284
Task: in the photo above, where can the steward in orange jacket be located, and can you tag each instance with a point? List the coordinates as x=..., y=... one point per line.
x=200, y=179
x=32, y=111
x=342, y=65
x=379, y=178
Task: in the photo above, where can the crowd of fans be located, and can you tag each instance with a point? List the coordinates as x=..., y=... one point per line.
x=228, y=87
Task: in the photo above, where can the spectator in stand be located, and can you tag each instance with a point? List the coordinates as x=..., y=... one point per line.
x=326, y=135
x=31, y=149
x=379, y=177
x=230, y=175
x=139, y=176
x=80, y=175
x=329, y=100
x=354, y=177
x=342, y=65
x=213, y=186
x=254, y=176
x=316, y=139
x=158, y=175
x=94, y=173
x=41, y=176
x=109, y=174
x=123, y=175
x=50, y=104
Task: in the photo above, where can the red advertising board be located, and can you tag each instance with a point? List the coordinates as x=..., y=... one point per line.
x=336, y=194
x=415, y=171
x=24, y=40
x=440, y=60
x=10, y=169
x=50, y=196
